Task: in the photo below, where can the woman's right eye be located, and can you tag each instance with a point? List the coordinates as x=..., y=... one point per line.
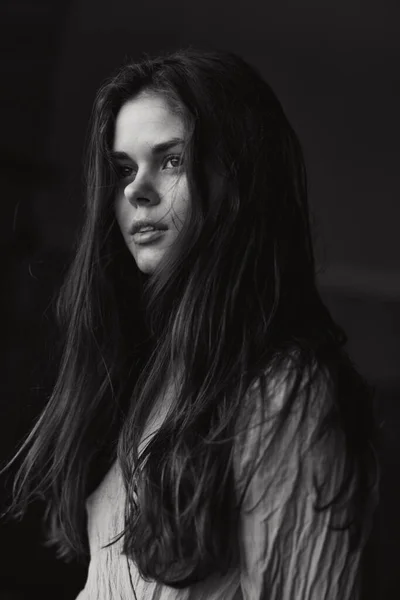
x=124, y=171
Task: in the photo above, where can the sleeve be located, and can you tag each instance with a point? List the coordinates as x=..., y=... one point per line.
x=287, y=551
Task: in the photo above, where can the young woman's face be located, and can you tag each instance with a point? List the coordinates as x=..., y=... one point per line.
x=153, y=196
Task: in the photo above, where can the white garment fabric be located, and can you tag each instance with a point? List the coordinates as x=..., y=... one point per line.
x=287, y=550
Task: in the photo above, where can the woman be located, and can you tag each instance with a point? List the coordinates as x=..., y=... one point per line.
x=206, y=419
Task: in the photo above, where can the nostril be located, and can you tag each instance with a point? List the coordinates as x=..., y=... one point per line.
x=137, y=200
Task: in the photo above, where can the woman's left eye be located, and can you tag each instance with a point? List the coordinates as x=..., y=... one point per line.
x=173, y=161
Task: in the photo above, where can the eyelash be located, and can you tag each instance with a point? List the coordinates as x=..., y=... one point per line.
x=121, y=168
x=171, y=156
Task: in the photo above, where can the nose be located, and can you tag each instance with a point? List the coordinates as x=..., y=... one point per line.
x=141, y=192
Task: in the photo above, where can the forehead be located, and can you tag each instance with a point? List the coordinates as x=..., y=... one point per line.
x=145, y=121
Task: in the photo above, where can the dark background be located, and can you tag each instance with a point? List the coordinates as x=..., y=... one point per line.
x=335, y=66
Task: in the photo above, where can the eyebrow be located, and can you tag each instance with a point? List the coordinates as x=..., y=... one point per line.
x=156, y=149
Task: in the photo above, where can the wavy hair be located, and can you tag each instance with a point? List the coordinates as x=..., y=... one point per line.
x=234, y=303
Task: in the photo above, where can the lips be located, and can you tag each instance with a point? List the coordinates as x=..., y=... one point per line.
x=147, y=232
x=148, y=237
x=146, y=226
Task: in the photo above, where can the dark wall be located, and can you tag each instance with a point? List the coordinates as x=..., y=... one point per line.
x=335, y=68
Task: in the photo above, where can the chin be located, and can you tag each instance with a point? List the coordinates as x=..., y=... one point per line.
x=147, y=264
x=146, y=269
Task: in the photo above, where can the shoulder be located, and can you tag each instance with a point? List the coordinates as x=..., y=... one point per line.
x=283, y=431
x=286, y=399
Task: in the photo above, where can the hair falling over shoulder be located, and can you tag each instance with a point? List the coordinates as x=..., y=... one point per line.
x=234, y=303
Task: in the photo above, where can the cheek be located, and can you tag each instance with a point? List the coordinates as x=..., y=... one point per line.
x=181, y=198
x=120, y=212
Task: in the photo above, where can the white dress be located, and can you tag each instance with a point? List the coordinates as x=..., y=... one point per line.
x=287, y=550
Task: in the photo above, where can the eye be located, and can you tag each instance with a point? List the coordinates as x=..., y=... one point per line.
x=173, y=161
x=124, y=171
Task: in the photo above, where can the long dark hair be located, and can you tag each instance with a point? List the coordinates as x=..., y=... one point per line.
x=234, y=304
